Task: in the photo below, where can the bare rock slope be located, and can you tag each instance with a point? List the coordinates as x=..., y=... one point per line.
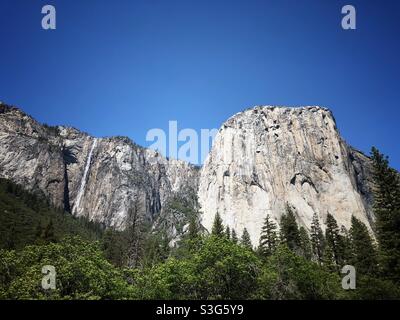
x=268, y=157
x=262, y=159
x=101, y=178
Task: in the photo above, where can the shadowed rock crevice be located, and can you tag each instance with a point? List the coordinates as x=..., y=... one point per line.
x=68, y=158
x=302, y=179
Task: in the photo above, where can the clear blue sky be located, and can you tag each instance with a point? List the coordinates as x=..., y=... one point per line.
x=124, y=67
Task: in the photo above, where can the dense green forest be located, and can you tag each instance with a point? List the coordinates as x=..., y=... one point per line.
x=27, y=218
x=138, y=263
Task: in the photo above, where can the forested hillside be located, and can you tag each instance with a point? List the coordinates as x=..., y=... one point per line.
x=140, y=263
x=27, y=218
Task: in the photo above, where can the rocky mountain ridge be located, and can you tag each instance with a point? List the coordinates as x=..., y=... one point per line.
x=101, y=178
x=263, y=159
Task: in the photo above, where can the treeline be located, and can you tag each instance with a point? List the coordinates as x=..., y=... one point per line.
x=204, y=267
x=287, y=263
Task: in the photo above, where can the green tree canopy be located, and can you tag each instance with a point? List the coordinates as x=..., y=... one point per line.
x=220, y=269
x=246, y=241
x=290, y=234
x=363, y=255
x=317, y=239
x=305, y=244
x=334, y=241
x=387, y=211
x=82, y=272
x=218, y=227
x=269, y=237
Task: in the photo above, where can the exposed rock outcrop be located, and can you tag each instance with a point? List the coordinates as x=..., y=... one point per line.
x=267, y=157
x=100, y=178
x=262, y=159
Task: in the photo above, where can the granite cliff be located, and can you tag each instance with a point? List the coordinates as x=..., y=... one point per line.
x=268, y=157
x=100, y=178
x=263, y=159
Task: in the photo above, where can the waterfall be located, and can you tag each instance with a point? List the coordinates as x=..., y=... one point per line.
x=84, y=178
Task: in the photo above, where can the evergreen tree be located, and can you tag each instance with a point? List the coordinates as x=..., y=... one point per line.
x=363, y=256
x=269, y=237
x=48, y=234
x=345, y=243
x=334, y=240
x=317, y=239
x=10, y=242
x=218, y=227
x=246, y=241
x=38, y=234
x=290, y=231
x=305, y=244
x=134, y=233
x=193, y=230
x=228, y=232
x=387, y=211
x=234, y=237
x=328, y=259
x=156, y=248
x=192, y=239
x=10, y=187
x=114, y=247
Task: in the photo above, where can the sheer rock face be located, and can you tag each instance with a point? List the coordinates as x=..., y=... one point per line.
x=267, y=157
x=30, y=155
x=53, y=160
x=262, y=159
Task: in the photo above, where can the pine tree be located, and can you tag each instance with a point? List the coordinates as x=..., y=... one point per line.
x=269, y=237
x=10, y=242
x=114, y=247
x=290, y=231
x=328, y=258
x=228, y=232
x=45, y=234
x=246, y=241
x=192, y=239
x=234, y=237
x=48, y=234
x=305, y=244
x=317, y=239
x=345, y=243
x=193, y=230
x=39, y=234
x=218, y=227
x=156, y=248
x=334, y=240
x=134, y=233
x=363, y=255
x=387, y=211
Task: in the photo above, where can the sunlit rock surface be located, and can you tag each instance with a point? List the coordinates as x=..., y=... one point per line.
x=263, y=159
x=100, y=178
x=267, y=157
